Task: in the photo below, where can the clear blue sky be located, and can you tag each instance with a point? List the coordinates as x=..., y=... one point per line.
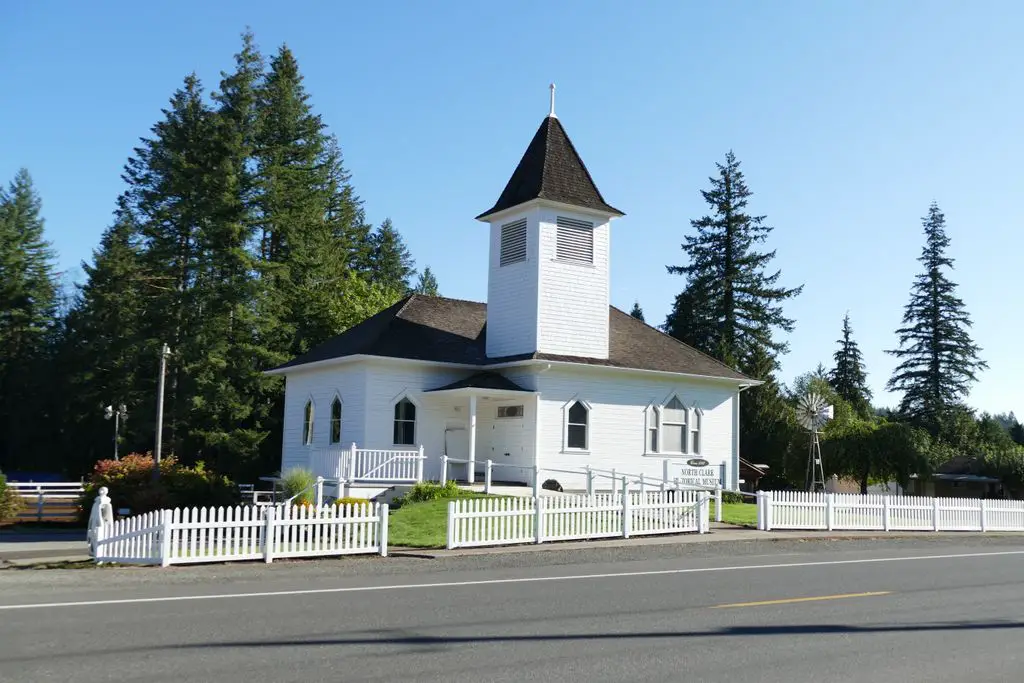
x=849, y=118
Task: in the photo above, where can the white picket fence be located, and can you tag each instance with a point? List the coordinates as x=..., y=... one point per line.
x=852, y=512
x=48, y=501
x=194, y=535
x=507, y=521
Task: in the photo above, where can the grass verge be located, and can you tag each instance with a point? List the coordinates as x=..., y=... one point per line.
x=742, y=514
x=423, y=524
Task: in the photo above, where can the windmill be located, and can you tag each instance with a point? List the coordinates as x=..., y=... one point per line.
x=812, y=412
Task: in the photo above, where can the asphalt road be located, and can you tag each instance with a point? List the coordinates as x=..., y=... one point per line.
x=913, y=610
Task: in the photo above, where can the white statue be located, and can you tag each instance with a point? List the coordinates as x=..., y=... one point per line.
x=102, y=514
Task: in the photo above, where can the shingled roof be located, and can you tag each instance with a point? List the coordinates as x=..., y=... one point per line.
x=551, y=169
x=444, y=330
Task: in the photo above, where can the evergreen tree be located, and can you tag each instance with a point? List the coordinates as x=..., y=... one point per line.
x=849, y=377
x=427, y=283
x=731, y=306
x=637, y=312
x=392, y=264
x=28, y=306
x=938, y=359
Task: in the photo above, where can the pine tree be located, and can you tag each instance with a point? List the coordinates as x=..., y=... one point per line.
x=637, y=312
x=427, y=283
x=938, y=359
x=731, y=306
x=392, y=263
x=28, y=306
x=849, y=378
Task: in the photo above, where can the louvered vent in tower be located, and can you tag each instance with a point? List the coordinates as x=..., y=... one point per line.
x=575, y=241
x=513, y=242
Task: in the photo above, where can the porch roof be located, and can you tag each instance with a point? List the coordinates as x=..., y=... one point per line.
x=481, y=382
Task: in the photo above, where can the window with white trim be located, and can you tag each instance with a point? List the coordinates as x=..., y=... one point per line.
x=695, y=424
x=307, y=424
x=575, y=241
x=673, y=427
x=508, y=412
x=652, y=429
x=577, y=426
x=405, y=423
x=335, y=436
x=513, y=243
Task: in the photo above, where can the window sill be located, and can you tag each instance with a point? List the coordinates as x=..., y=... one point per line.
x=575, y=451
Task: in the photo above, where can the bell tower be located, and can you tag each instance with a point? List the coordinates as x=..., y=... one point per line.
x=548, y=280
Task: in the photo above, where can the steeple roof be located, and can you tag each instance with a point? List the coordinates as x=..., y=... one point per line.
x=551, y=169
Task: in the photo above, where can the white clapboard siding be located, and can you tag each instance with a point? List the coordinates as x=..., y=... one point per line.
x=195, y=535
x=508, y=521
x=876, y=512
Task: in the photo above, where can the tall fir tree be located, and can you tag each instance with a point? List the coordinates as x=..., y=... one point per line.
x=938, y=359
x=393, y=265
x=849, y=378
x=732, y=305
x=28, y=307
x=427, y=283
x=637, y=312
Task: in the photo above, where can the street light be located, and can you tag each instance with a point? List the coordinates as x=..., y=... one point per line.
x=120, y=414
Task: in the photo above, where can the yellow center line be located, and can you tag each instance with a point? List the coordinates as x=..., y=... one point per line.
x=792, y=600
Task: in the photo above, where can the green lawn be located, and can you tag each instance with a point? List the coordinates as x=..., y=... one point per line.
x=744, y=514
x=421, y=525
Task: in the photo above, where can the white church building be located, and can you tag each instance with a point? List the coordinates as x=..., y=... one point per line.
x=545, y=374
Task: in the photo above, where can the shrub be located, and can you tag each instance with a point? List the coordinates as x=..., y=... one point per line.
x=428, y=490
x=733, y=497
x=349, y=500
x=10, y=501
x=299, y=482
x=131, y=485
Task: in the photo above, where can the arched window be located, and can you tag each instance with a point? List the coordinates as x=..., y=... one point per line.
x=307, y=424
x=673, y=427
x=695, y=430
x=576, y=426
x=336, y=420
x=405, y=423
x=651, y=415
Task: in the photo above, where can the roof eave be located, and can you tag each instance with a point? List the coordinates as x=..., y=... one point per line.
x=491, y=215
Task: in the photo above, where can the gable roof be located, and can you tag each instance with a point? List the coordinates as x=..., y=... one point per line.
x=551, y=169
x=431, y=328
x=483, y=380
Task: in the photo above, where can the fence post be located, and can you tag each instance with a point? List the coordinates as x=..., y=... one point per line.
x=450, y=534
x=643, y=484
x=382, y=510
x=487, y=477
x=419, y=466
x=39, y=503
x=935, y=514
x=759, y=500
x=984, y=516
x=352, y=464
x=536, y=482
x=444, y=469
x=165, y=538
x=319, y=492
x=590, y=481
x=718, y=503
x=538, y=522
x=664, y=474
x=615, y=481
x=885, y=513
x=769, y=499
x=830, y=510
x=627, y=510
x=703, y=518
x=269, y=529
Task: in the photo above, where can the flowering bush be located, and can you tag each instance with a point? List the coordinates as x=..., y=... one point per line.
x=131, y=485
x=10, y=501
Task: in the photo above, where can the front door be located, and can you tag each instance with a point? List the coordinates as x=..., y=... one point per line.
x=508, y=445
x=456, y=446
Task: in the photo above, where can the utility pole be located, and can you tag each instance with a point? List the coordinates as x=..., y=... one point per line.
x=120, y=414
x=164, y=352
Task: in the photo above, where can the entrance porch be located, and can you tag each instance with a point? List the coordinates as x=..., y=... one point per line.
x=488, y=417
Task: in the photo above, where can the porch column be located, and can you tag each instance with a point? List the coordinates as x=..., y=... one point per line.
x=471, y=475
